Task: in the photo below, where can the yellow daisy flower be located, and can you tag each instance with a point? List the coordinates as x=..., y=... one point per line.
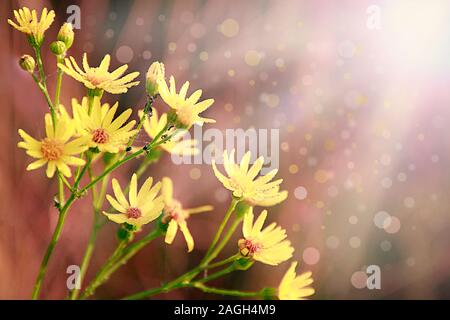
x=55, y=150
x=185, y=110
x=153, y=125
x=293, y=287
x=29, y=23
x=241, y=181
x=101, y=130
x=143, y=206
x=269, y=245
x=176, y=216
x=99, y=77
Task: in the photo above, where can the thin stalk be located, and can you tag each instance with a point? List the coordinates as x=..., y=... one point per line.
x=99, y=278
x=59, y=75
x=223, y=262
x=147, y=107
x=86, y=259
x=224, y=241
x=97, y=205
x=55, y=237
x=64, y=180
x=126, y=255
x=42, y=83
x=147, y=148
x=226, y=292
x=218, y=274
x=221, y=228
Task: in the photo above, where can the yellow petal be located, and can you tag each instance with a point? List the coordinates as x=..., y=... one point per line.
x=117, y=217
x=187, y=235
x=36, y=164
x=115, y=204
x=259, y=222
x=104, y=65
x=51, y=167
x=119, y=194
x=167, y=190
x=132, y=196
x=199, y=209
x=64, y=169
x=171, y=231
x=143, y=191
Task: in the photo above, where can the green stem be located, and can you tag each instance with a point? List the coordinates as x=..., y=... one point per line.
x=86, y=260
x=42, y=83
x=90, y=103
x=226, y=292
x=64, y=180
x=97, y=205
x=56, y=105
x=147, y=148
x=147, y=107
x=102, y=275
x=111, y=168
x=224, y=261
x=126, y=255
x=224, y=241
x=55, y=237
x=59, y=75
x=220, y=230
x=177, y=283
x=61, y=190
x=218, y=274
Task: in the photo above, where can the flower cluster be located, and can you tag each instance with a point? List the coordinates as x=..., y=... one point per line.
x=74, y=139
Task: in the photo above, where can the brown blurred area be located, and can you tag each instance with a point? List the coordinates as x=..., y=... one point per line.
x=354, y=141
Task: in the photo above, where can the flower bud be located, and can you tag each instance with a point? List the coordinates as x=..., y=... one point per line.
x=154, y=73
x=66, y=34
x=58, y=48
x=27, y=63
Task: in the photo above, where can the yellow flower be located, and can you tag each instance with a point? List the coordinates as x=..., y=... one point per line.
x=99, y=77
x=55, y=150
x=154, y=125
x=29, y=23
x=143, y=206
x=269, y=245
x=185, y=110
x=241, y=181
x=155, y=72
x=293, y=287
x=176, y=215
x=100, y=129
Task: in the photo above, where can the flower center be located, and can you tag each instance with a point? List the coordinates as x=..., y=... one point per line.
x=96, y=79
x=175, y=212
x=133, y=213
x=185, y=115
x=52, y=149
x=100, y=136
x=248, y=247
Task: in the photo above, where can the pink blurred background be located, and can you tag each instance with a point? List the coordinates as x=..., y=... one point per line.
x=362, y=109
